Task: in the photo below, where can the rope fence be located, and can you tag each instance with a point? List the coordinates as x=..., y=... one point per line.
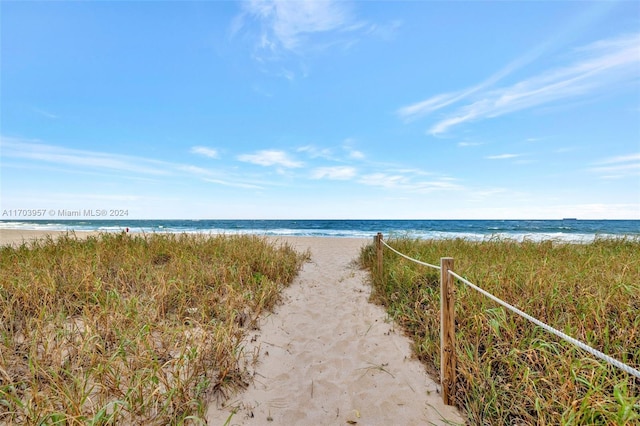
x=447, y=333
x=409, y=258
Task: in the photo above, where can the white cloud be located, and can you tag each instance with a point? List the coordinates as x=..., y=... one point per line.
x=203, y=150
x=195, y=170
x=270, y=158
x=288, y=24
x=413, y=111
x=618, y=167
x=356, y=155
x=79, y=161
x=467, y=144
x=315, y=152
x=334, y=173
x=502, y=156
x=385, y=31
x=27, y=150
x=383, y=180
x=234, y=184
x=407, y=183
x=440, y=101
x=601, y=69
x=621, y=159
x=330, y=154
x=45, y=113
x=599, y=65
x=353, y=153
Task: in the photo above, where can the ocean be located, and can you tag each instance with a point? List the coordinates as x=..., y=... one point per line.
x=570, y=230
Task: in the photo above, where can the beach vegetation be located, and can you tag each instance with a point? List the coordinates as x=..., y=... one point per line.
x=510, y=371
x=131, y=329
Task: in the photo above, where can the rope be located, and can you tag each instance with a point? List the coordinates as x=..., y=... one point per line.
x=578, y=343
x=409, y=258
x=596, y=353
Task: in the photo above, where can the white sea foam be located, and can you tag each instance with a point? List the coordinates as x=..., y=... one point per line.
x=468, y=230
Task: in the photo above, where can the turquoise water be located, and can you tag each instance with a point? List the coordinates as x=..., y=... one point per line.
x=566, y=230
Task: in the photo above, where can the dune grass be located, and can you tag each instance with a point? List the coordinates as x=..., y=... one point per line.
x=130, y=329
x=510, y=371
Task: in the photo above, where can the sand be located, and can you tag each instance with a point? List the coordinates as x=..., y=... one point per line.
x=325, y=356
x=18, y=236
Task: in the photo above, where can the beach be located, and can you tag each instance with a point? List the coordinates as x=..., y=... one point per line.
x=325, y=355
x=18, y=236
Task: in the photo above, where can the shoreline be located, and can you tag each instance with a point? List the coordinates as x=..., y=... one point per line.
x=570, y=231
x=15, y=237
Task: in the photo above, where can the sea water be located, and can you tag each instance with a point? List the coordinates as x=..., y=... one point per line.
x=536, y=230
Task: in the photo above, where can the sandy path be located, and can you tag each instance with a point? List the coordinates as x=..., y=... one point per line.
x=328, y=357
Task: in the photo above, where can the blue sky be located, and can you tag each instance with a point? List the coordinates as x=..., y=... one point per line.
x=292, y=109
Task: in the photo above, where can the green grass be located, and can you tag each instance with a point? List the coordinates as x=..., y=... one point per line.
x=510, y=371
x=121, y=328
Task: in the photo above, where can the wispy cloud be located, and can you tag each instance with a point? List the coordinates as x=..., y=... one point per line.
x=334, y=173
x=353, y=153
x=80, y=161
x=271, y=158
x=234, y=184
x=468, y=144
x=621, y=159
x=401, y=182
x=203, y=150
x=596, y=66
x=13, y=148
x=618, y=167
x=502, y=156
x=45, y=113
x=422, y=108
x=288, y=25
x=333, y=154
x=315, y=152
x=194, y=170
x=356, y=155
x=385, y=31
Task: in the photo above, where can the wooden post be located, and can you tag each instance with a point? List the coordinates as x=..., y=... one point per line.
x=447, y=332
x=378, y=240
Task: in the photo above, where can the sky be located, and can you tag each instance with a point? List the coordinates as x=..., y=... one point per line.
x=320, y=109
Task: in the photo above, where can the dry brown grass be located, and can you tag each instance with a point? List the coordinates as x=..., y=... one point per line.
x=139, y=329
x=509, y=370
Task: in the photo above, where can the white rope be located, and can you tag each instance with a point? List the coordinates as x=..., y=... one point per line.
x=552, y=330
x=596, y=353
x=409, y=258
